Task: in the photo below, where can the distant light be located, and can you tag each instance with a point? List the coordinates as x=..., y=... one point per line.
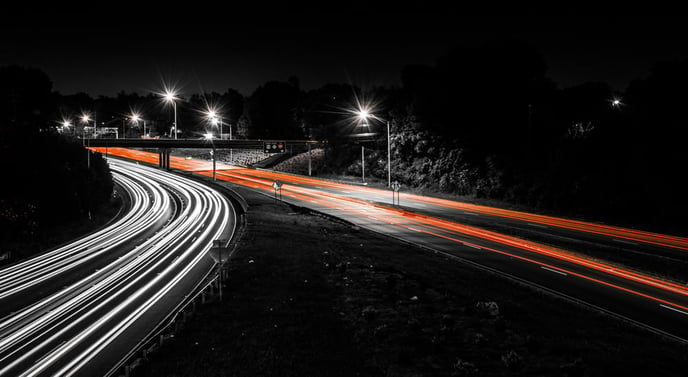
x=66, y=123
x=208, y=136
x=616, y=102
x=135, y=117
x=85, y=118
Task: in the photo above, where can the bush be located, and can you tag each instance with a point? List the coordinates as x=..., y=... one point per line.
x=513, y=361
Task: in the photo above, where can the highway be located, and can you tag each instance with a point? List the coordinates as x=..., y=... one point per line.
x=80, y=308
x=562, y=256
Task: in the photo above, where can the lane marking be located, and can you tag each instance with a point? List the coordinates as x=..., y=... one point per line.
x=624, y=241
x=471, y=213
x=553, y=270
x=674, y=309
x=473, y=246
x=538, y=225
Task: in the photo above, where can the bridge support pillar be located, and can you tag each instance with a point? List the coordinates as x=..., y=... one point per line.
x=164, y=158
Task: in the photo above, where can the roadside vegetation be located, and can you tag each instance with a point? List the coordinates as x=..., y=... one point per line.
x=49, y=193
x=484, y=121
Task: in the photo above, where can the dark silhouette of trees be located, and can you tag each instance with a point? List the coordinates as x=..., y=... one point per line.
x=487, y=121
x=324, y=108
x=45, y=176
x=26, y=98
x=274, y=111
x=483, y=121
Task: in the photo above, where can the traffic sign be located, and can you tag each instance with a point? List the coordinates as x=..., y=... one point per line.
x=277, y=185
x=396, y=186
x=274, y=146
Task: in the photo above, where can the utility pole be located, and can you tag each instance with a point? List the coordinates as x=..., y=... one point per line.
x=363, y=162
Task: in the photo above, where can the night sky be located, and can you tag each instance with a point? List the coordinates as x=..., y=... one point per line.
x=104, y=51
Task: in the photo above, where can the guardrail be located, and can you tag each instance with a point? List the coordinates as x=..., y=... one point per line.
x=190, y=143
x=168, y=326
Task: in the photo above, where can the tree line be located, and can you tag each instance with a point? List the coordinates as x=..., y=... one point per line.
x=484, y=122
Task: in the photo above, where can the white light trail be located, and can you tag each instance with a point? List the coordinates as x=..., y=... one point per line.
x=62, y=332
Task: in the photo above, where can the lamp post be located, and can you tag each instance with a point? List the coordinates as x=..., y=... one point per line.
x=171, y=96
x=135, y=117
x=209, y=136
x=66, y=124
x=85, y=118
x=363, y=114
x=213, y=117
x=216, y=118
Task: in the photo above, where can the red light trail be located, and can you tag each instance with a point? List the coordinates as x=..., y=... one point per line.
x=536, y=253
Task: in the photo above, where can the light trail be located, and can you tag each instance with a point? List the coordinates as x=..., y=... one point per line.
x=377, y=217
x=383, y=196
x=74, y=326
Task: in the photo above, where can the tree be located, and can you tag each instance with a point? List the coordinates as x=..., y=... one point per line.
x=274, y=111
x=26, y=98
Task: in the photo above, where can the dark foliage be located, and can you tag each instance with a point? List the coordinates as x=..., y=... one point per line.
x=45, y=176
x=274, y=111
x=483, y=121
x=488, y=122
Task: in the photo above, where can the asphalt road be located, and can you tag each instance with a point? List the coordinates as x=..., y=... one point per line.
x=79, y=309
x=621, y=271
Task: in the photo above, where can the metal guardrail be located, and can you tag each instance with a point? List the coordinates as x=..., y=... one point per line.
x=156, y=337
x=188, y=143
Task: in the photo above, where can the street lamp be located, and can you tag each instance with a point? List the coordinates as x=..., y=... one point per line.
x=616, y=102
x=216, y=118
x=135, y=117
x=363, y=115
x=213, y=117
x=66, y=124
x=170, y=96
x=85, y=118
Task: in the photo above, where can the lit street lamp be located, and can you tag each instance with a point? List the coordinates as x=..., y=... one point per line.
x=66, y=124
x=616, y=102
x=87, y=118
x=363, y=114
x=171, y=96
x=215, y=118
x=135, y=117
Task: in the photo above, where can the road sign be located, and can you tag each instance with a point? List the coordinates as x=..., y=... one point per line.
x=274, y=146
x=218, y=252
x=396, y=186
x=277, y=185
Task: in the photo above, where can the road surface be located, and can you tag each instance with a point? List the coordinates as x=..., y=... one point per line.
x=567, y=257
x=79, y=309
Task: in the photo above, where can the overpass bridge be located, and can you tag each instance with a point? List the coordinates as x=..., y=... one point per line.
x=164, y=145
